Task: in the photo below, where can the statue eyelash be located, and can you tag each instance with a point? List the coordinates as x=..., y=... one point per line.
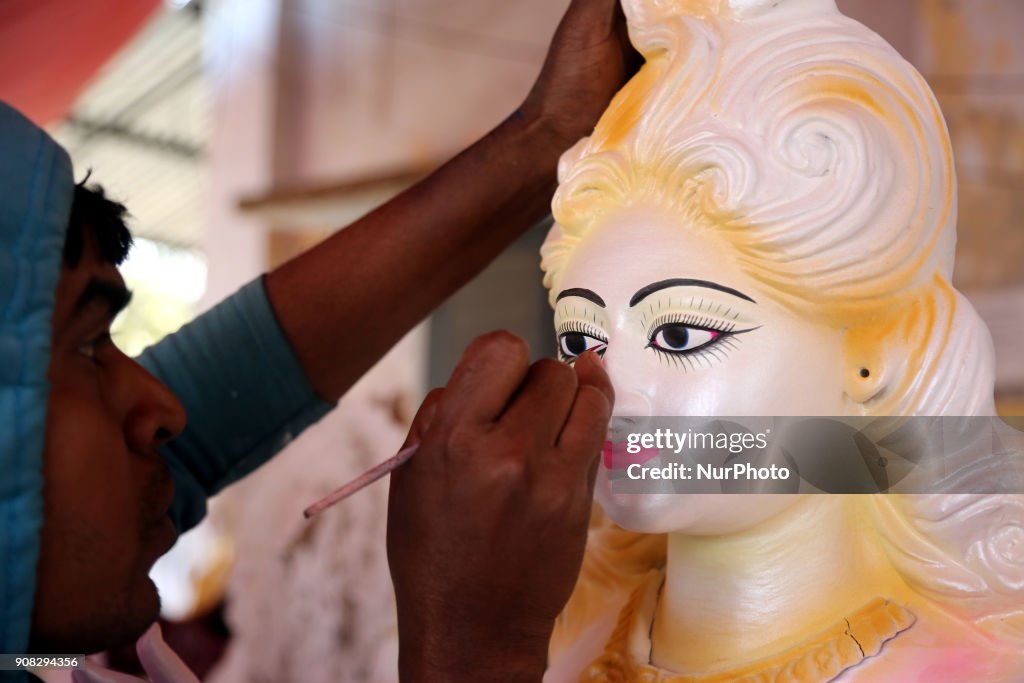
x=581, y=327
x=689, y=360
x=691, y=320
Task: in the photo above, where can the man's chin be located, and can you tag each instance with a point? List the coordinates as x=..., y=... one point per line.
x=137, y=616
x=117, y=623
x=143, y=612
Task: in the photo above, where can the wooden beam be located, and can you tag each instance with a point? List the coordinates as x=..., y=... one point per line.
x=331, y=205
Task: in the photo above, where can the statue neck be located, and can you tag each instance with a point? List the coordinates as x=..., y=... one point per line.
x=730, y=600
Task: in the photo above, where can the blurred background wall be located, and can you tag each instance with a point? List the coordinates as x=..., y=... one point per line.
x=240, y=132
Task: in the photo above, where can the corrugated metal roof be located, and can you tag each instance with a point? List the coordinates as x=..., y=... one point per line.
x=142, y=126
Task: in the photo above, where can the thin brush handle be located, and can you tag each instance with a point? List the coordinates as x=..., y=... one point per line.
x=362, y=481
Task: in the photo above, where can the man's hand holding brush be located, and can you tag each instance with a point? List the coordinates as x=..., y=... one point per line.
x=487, y=523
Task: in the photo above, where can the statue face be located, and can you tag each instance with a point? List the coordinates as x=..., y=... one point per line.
x=684, y=331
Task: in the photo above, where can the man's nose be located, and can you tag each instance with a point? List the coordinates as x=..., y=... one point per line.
x=156, y=415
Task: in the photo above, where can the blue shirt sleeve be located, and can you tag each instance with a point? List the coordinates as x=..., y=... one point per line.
x=244, y=392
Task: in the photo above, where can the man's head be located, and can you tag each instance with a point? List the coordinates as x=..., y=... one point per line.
x=106, y=490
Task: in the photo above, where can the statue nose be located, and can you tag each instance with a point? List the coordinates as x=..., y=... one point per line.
x=631, y=403
x=632, y=398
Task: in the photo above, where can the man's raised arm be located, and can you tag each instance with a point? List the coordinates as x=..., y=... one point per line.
x=386, y=272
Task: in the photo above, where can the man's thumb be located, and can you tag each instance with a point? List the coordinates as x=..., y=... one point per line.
x=424, y=416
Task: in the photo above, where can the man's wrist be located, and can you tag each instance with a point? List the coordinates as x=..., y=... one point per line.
x=479, y=666
x=539, y=136
x=441, y=655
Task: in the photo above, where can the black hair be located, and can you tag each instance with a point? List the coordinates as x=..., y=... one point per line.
x=92, y=209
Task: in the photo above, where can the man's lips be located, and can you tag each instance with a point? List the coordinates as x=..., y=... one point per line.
x=157, y=538
x=161, y=530
x=167, y=533
x=616, y=457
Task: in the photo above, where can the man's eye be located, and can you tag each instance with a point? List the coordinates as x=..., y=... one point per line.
x=574, y=344
x=89, y=348
x=676, y=338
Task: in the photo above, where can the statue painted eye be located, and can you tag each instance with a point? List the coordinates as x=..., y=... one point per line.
x=573, y=344
x=576, y=337
x=693, y=340
x=678, y=338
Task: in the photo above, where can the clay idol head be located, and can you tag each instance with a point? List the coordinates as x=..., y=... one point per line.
x=763, y=223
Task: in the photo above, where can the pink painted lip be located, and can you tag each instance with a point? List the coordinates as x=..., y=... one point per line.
x=616, y=457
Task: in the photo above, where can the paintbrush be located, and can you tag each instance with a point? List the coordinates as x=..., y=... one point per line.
x=362, y=481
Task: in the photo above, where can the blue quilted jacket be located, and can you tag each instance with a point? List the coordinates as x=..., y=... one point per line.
x=243, y=390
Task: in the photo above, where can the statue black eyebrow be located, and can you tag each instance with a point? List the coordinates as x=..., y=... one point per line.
x=645, y=292
x=587, y=294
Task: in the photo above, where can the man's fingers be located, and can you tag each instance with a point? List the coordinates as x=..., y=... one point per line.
x=584, y=433
x=94, y=673
x=600, y=13
x=162, y=664
x=492, y=368
x=424, y=417
x=590, y=370
x=585, y=23
x=632, y=59
x=543, y=402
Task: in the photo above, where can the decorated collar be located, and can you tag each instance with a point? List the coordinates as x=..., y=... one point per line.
x=820, y=658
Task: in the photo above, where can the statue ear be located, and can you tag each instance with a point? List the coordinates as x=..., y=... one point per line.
x=867, y=367
x=864, y=382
